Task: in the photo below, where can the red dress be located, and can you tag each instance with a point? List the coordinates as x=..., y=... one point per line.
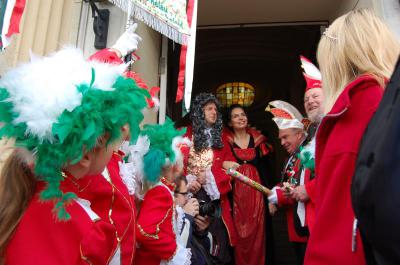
x=248, y=204
x=337, y=143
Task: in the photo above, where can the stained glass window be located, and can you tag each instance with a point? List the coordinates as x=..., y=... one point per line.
x=236, y=93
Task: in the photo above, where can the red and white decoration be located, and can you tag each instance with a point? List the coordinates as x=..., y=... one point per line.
x=12, y=14
x=311, y=73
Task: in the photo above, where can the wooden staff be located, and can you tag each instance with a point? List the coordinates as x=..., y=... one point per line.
x=248, y=181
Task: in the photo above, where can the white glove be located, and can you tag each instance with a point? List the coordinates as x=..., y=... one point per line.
x=128, y=42
x=274, y=197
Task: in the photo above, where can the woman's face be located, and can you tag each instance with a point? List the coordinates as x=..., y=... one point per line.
x=238, y=119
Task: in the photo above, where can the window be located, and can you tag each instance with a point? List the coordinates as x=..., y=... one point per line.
x=236, y=93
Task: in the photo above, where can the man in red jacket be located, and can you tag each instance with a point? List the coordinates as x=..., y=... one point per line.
x=313, y=105
x=292, y=135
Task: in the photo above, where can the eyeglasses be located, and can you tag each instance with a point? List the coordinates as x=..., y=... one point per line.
x=187, y=194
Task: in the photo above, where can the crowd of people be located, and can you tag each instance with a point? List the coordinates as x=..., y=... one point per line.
x=86, y=184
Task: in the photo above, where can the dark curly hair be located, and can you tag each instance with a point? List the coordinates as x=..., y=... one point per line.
x=200, y=139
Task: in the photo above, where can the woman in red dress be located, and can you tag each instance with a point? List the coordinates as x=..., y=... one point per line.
x=248, y=146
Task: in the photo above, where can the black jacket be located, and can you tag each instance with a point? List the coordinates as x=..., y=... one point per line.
x=376, y=184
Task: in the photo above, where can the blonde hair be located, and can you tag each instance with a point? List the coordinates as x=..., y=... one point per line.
x=6, y=148
x=357, y=43
x=17, y=187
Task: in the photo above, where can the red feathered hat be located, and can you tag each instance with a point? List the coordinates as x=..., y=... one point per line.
x=151, y=102
x=311, y=73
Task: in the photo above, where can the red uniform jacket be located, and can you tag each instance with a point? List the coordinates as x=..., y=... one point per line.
x=337, y=145
x=110, y=195
x=155, y=234
x=42, y=239
x=222, y=180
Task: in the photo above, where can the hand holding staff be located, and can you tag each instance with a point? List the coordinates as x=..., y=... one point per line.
x=248, y=181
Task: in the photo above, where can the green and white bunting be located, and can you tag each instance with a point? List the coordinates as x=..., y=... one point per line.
x=165, y=16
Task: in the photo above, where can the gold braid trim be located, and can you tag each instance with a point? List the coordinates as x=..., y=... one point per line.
x=118, y=154
x=113, y=253
x=130, y=206
x=111, y=220
x=83, y=257
x=76, y=184
x=173, y=255
x=155, y=235
x=172, y=223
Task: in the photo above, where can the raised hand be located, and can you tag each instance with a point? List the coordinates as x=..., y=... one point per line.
x=128, y=42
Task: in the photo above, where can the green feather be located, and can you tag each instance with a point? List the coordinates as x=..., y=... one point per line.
x=153, y=162
x=93, y=77
x=306, y=159
x=161, y=137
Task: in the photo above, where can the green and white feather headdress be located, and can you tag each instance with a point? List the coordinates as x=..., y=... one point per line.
x=60, y=105
x=165, y=142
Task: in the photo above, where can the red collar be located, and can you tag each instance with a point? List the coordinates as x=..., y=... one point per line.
x=73, y=184
x=169, y=184
x=343, y=102
x=257, y=136
x=120, y=154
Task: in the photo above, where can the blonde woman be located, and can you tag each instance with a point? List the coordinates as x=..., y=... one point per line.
x=356, y=55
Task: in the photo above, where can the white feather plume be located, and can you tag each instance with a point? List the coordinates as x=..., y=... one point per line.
x=42, y=89
x=127, y=173
x=156, y=101
x=132, y=171
x=309, y=148
x=177, y=142
x=309, y=68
